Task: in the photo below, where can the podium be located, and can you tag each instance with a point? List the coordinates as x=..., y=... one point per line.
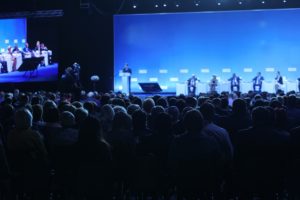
x=125, y=81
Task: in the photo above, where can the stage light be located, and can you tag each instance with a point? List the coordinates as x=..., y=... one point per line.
x=219, y=3
x=263, y=2
x=156, y=6
x=197, y=2
x=284, y=1
x=177, y=3
x=134, y=3
x=240, y=2
x=164, y=5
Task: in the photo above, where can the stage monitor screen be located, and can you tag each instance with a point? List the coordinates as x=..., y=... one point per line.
x=21, y=61
x=169, y=48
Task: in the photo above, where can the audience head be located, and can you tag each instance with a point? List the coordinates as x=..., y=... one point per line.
x=191, y=102
x=122, y=122
x=67, y=119
x=51, y=115
x=239, y=107
x=139, y=119
x=132, y=108
x=37, y=112
x=107, y=113
x=118, y=109
x=90, y=132
x=89, y=106
x=23, y=119
x=193, y=121
x=208, y=111
x=162, y=102
x=148, y=104
x=174, y=113
x=260, y=116
x=80, y=115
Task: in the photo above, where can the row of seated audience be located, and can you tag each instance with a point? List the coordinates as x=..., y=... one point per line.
x=108, y=146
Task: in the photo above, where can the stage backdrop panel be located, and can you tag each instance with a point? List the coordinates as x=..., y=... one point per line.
x=169, y=48
x=12, y=31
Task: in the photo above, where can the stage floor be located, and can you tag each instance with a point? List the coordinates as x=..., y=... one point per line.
x=42, y=74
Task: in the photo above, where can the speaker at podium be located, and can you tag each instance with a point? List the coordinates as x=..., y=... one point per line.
x=150, y=87
x=125, y=81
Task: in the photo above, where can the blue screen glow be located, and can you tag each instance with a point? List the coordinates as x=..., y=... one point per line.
x=168, y=48
x=12, y=31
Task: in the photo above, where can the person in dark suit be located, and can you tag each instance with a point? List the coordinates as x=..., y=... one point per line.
x=235, y=82
x=257, y=82
x=126, y=69
x=299, y=84
x=192, y=85
x=194, y=159
x=261, y=155
x=26, y=49
x=279, y=81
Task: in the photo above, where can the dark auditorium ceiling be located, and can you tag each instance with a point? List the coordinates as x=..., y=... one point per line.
x=127, y=6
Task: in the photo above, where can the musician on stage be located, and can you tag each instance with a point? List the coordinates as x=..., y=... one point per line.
x=213, y=84
x=279, y=82
x=257, y=82
x=192, y=85
x=126, y=69
x=235, y=82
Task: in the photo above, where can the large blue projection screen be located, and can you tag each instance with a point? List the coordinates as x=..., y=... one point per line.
x=168, y=48
x=12, y=31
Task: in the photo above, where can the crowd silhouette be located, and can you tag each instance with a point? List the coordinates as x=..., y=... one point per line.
x=110, y=146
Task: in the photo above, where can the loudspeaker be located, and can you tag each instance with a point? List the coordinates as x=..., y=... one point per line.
x=150, y=87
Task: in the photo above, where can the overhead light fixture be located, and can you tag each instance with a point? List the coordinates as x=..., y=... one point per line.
x=197, y=3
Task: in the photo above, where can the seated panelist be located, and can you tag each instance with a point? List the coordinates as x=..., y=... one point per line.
x=257, y=82
x=213, y=84
x=235, y=82
x=278, y=82
x=192, y=85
